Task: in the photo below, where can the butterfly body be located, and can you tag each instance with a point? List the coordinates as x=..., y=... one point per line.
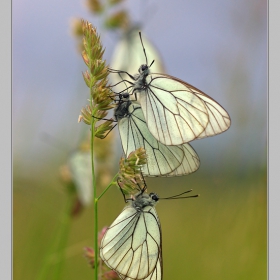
x=132, y=244
x=143, y=200
x=140, y=79
x=121, y=110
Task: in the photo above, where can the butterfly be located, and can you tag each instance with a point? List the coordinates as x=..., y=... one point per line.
x=80, y=167
x=175, y=111
x=162, y=160
x=132, y=245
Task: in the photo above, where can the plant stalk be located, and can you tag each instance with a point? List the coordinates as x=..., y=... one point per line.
x=95, y=201
x=113, y=182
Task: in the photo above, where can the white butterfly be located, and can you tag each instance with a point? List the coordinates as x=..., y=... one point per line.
x=80, y=168
x=162, y=160
x=175, y=111
x=132, y=244
x=128, y=55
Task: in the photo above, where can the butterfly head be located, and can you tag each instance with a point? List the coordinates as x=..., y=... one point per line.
x=123, y=97
x=154, y=197
x=144, y=70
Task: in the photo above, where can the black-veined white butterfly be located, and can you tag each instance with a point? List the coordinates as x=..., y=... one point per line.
x=80, y=167
x=128, y=55
x=132, y=245
x=162, y=160
x=175, y=111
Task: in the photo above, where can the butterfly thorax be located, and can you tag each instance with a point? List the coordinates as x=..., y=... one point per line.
x=121, y=110
x=142, y=200
x=140, y=79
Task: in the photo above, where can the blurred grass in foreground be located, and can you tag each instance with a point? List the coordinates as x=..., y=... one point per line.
x=220, y=235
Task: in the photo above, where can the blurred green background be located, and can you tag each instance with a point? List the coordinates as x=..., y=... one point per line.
x=222, y=234
x=219, y=47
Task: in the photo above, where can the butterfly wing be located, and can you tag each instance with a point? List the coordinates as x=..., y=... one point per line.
x=132, y=244
x=177, y=112
x=219, y=119
x=174, y=115
x=189, y=164
x=134, y=134
x=155, y=275
x=80, y=167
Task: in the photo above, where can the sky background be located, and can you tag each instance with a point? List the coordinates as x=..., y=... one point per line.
x=219, y=48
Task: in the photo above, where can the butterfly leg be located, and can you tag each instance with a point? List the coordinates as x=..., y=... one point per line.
x=108, y=132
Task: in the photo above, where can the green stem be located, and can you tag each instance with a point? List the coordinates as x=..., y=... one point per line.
x=95, y=200
x=113, y=182
x=96, y=249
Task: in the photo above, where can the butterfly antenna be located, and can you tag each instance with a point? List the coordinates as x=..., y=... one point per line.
x=179, y=196
x=152, y=63
x=190, y=196
x=143, y=47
